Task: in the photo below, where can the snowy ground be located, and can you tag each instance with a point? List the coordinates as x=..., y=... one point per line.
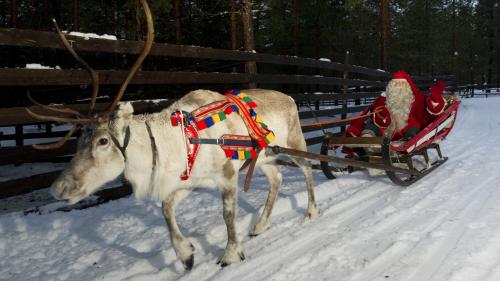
x=445, y=227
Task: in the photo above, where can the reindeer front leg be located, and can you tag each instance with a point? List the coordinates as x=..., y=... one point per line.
x=183, y=248
x=233, y=252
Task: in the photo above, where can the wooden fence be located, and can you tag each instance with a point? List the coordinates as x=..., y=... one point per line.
x=478, y=90
x=343, y=87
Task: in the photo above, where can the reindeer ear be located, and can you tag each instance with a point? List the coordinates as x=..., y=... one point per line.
x=125, y=110
x=122, y=116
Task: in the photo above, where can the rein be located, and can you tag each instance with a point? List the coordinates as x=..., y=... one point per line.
x=341, y=120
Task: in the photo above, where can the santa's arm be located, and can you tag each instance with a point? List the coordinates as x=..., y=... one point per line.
x=381, y=117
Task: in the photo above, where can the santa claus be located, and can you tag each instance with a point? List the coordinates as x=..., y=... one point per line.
x=402, y=111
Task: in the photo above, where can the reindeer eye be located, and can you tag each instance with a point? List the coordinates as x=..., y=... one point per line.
x=103, y=141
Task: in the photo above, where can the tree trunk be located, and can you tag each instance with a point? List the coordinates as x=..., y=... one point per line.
x=384, y=34
x=56, y=12
x=232, y=15
x=317, y=32
x=427, y=37
x=491, y=37
x=13, y=13
x=45, y=15
x=296, y=13
x=138, y=26
x=246, y=17
x=3, y=15
x=454, y=28
x=498, y=47
x=75, y=15
x=178, y=30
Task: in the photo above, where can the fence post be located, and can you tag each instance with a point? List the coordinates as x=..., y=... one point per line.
x=19, y=135
x=344, y=91
x=358, y=100
x=248, y=36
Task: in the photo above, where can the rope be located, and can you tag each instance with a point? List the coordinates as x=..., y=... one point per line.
x=341, y=120
x=314, y=114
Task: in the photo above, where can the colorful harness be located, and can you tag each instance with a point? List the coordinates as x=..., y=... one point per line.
x=236, y=147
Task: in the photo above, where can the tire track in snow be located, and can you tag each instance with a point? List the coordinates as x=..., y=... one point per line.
x=275, y=249
x=471, y=208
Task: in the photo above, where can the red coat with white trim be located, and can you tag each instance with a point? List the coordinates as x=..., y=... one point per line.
x=404, y=108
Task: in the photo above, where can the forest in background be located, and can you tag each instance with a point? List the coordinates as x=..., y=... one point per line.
x=424, y=37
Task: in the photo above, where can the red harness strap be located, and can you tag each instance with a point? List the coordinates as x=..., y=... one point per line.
x=235, y=146
x=189, y=132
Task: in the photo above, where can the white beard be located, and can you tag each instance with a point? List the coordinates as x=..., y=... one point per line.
x=399, y=99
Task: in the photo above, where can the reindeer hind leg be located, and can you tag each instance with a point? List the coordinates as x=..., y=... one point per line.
x=296, y=141
x=275, y=179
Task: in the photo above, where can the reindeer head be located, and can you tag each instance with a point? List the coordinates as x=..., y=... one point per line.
x=101, y=151
x=100, y=157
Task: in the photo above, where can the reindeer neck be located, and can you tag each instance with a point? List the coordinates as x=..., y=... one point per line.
x=153, y=152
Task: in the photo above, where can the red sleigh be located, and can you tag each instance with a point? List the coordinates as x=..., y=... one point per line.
x=404, y=162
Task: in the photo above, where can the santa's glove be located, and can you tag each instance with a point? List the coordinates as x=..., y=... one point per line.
x=381, y=117
x=435, y=102
x=353, y=131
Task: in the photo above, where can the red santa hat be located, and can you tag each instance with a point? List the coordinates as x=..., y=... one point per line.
x=400, y=74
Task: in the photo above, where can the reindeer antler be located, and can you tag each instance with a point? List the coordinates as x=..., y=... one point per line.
x=93, y=74
x=58, y=144
x=138, y=62
x=79, y=119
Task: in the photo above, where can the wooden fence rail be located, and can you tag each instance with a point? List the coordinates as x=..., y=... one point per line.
x=344, y=87
x=38, y=77
x=42, y=39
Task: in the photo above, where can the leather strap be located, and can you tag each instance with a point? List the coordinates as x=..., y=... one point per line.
x=126, y=141
x=154, y=148
x=227, y=142
x=248, y=178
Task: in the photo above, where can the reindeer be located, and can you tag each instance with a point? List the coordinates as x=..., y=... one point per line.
x=151, y=154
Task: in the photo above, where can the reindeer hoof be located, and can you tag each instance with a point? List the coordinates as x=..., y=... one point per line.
x=312, y=213
x=226, y=260
x=185, y=254
x=188, y=264
x=259, y=229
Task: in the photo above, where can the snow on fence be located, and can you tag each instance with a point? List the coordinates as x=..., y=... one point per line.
x=335, y=89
